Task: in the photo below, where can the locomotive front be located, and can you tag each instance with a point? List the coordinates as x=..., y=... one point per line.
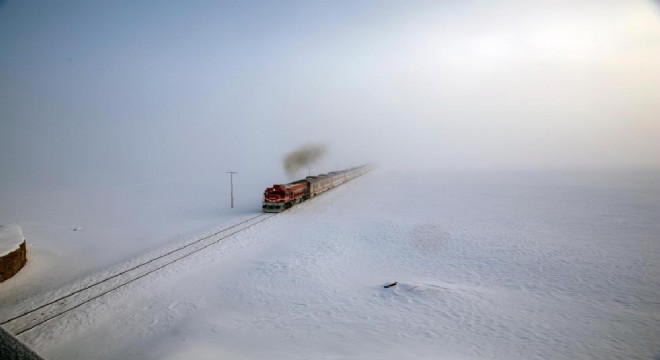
x=281, y=197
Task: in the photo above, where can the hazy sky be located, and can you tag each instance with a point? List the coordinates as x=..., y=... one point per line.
x=119, y=91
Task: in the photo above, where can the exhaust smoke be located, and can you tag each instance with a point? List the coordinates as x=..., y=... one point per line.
x=302, y=158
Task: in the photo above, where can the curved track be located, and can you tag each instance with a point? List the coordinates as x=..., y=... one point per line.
x=31, y=319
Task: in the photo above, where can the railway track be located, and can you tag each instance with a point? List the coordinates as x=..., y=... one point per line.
x=61, y=305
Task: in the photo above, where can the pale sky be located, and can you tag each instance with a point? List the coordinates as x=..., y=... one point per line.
x=115, y=91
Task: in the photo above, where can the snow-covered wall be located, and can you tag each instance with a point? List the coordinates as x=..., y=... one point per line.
x=13, y=252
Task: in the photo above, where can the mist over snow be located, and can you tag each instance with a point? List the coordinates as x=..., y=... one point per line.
x=536, y=121
x=117, y=93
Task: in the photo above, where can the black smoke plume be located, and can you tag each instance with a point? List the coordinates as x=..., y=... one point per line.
x=302, y=158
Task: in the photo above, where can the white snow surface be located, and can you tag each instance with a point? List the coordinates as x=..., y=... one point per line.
x=489, y=266
x=11, y=238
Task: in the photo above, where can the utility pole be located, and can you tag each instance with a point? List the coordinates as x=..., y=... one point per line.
x=231, y=183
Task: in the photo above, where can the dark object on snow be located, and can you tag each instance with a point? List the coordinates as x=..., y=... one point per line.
x=13, y=349
x=390, y=285
x=13, y=253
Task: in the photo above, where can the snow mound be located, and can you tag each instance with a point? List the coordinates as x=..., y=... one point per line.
x=420, y=290
x=11, y=238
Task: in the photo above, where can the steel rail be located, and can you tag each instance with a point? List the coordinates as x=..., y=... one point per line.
x=140, y=265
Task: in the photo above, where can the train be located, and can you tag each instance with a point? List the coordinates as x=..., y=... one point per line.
x=280, y=197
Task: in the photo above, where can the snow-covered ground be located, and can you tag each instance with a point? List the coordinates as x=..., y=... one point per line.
x=75, y=232
x=489, y=266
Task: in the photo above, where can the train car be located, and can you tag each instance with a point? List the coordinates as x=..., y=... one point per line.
x=326, y=182
x=315, y=185
x=338, y=177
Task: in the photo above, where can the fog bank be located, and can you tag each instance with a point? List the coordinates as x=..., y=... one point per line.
x=95, y=93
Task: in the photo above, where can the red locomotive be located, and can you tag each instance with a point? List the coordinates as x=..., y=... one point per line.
x=281, y=197
x=286, y=195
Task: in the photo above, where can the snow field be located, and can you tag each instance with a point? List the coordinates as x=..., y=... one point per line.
x=510, y=268
x=119, y=224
